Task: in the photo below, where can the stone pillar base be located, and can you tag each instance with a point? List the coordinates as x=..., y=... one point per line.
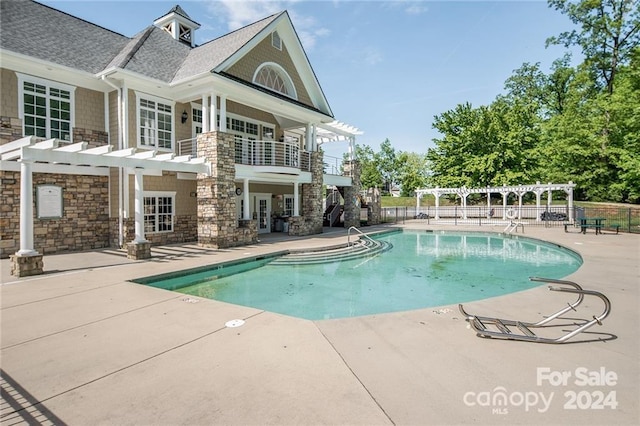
x=26, y=265
x=138, y=251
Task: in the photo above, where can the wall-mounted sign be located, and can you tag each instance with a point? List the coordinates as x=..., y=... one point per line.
x=49, y=201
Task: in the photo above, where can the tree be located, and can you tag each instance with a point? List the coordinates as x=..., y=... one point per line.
x=609, y=31
x=370, y=176
x=412, y=173
x=387, y=164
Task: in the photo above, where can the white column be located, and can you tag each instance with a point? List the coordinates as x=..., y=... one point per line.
x=139, y=207
x=352, y=148
x=437, y=195
x=296, y=202
x=520, y=194
x=549, y=195
x=246, y=210
x=314, y=138
x=570, y=194
x=538, y=193
x=26, y=210
x=464, y=205
x=205, y=114
x=223, y=113
x=489, y=215
x=213, y=125
x=504, y=205
x=308, y=138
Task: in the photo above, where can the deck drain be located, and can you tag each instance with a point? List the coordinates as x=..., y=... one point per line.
x=190, y=300
x=234, y=323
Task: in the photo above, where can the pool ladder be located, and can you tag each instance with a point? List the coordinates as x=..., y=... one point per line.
x=521, y=330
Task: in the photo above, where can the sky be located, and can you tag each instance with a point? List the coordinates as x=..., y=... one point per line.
x=386, y=67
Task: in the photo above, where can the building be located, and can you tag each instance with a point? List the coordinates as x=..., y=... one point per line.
x=112, y=141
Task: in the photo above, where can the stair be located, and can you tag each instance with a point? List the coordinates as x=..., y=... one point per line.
x=360, y=249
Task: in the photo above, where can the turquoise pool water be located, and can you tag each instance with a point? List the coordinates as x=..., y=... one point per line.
x=421, y=270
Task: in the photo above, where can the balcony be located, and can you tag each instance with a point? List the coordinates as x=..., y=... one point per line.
x=269, y=156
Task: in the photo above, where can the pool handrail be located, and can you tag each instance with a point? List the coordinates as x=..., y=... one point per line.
x=479, y=323
x=361, y=233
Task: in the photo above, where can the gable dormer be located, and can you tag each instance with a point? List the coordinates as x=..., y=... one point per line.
x=177, y=23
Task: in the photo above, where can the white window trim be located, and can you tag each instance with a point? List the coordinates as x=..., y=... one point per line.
x=278, y=46
x=156, y=99
x=156, y=195
x=48, y=83
x=287, y=79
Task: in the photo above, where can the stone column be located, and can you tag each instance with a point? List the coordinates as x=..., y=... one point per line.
x=218, y=226
x=311, y=220
x=374, y=202
x=352, y=194
x=27, y=261
x=139, y=248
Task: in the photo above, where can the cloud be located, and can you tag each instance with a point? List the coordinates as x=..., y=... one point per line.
x=372, y=55
x=239, y=13
x=410, y=7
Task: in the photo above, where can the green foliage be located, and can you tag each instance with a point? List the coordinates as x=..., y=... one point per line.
x=579, y=124
x=386, y=168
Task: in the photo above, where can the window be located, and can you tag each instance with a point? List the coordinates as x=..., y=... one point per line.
x=158, y=212
x=46, y=107
x=274, y=77
x=288, y=205
x=155, y=122
x=276, y=41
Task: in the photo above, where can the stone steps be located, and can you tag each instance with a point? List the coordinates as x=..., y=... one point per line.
x=364, y=247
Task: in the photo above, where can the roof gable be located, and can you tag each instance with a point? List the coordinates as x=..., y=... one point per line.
x=294, y=60
x=206, y=57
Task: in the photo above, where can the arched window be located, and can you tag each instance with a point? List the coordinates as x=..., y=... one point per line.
x=274, y=77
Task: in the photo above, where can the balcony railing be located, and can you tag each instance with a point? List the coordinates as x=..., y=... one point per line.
x=259, y=153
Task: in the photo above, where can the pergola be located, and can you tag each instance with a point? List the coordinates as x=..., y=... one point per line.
x=537, y=188
x=31, y=151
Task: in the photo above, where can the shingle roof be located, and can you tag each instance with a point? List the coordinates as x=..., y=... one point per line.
x=36, y=30
x=206, y=57
x=153, y=53
x=180, y=11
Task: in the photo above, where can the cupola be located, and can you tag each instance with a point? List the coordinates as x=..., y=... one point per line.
x=177, y=23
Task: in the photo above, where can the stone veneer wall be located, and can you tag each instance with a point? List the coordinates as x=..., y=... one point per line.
x=374, y=204
x=93, y=138
x=85, y=221
x=351, y=195
x=10, y=129
x=184, y=231
x=217, y=223
x=310, y=222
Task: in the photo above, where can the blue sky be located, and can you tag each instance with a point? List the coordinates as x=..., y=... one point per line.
x=386, y=67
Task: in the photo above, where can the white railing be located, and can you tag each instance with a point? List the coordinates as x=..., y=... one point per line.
x=259, y=153
x=187, y=147
x=332, y=165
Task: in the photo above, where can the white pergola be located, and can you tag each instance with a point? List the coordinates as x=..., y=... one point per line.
x=30, y=150
x=537, y=188
x=337, y=131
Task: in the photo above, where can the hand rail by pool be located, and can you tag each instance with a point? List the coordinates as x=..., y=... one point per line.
x=361, y=233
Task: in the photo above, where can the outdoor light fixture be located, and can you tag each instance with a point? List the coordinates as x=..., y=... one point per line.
x=184, y=116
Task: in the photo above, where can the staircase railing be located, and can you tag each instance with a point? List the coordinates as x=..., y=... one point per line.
x=361, y=233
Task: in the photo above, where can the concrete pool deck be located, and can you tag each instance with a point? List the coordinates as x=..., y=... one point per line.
x=83, y=346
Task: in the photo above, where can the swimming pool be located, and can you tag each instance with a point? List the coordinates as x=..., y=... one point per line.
x=423, y=269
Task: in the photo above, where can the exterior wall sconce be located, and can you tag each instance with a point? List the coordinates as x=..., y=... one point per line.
x=184, y=116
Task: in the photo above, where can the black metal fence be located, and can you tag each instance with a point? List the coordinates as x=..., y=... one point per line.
x=622, y=219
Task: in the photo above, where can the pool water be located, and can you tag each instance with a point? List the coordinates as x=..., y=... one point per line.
x=421, y=270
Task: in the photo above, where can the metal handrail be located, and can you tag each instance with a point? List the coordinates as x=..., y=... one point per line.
x=479, y=323
x=361, y=233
